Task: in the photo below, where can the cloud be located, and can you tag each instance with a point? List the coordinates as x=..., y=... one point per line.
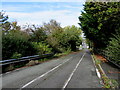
x=43, y=0
x=37, y=13
x=33, y=7
x=65, y=17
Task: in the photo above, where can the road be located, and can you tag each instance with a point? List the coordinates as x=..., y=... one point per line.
x=75, y=70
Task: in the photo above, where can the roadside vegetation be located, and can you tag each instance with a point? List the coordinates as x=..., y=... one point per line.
x=106, y=81
x=100, y=21
x=18, y=41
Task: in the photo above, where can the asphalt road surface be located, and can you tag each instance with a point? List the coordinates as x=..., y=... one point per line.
x=72, y=71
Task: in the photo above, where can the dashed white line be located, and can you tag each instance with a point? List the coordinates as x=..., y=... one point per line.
x=68, y=80
x=44, y=74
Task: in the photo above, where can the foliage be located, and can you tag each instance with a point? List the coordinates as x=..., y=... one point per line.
x=52, y=26
x=89, y=43
x=64, y=53
x=16, y=55
x=110, y=83
x=3, y=18
x=42, y=48
x=14, y=26
x=3, y=22
x=99, y=20
x=113, y=49
x=16, y=41
x=20, y=41
x=36, y=33
x=71, y=37
x=64, y=38
x=53, y=31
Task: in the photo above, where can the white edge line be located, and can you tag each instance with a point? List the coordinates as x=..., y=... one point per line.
x=97, y=71
x=66, y=83
x=45, y=73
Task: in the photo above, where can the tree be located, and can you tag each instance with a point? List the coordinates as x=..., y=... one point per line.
x=14, y=26
x=52, y=26
x=62, y=39
x=71, y=37
x=16, y=42
x=99, y=21
x=113, y=48
x=36, y=33
x=3, y=22
x=53, y=31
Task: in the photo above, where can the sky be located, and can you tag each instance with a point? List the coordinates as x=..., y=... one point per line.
x=66, y=12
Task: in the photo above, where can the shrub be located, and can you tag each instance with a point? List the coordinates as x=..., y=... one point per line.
x=16, y=42
x=42, y=48
x=16, y=55
x=113, y=49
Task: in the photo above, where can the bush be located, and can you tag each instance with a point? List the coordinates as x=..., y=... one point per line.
x=16, y=42
x=16, y=55
x=113, y=49
x=42, y=48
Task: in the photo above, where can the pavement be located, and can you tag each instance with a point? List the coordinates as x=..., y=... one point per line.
x=75, y=70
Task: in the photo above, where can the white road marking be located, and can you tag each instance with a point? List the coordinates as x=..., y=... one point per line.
x=44, y=74
x=66, y=83
x=97, y=71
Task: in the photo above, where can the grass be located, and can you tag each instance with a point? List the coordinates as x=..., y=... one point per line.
x=108, y=83
x=57, y=55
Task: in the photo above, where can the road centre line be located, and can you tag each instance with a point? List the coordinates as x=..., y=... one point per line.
x=68, y=80
x=44, y=74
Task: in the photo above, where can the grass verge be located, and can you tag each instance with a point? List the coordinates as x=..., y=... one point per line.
x=107, y=83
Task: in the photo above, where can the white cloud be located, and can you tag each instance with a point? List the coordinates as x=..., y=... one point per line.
x=59, y=0
x=43, y=0
x=66, y=14
x=65, y=17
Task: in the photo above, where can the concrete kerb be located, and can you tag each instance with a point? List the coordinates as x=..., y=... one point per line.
x=100, y=72
x=97, y=71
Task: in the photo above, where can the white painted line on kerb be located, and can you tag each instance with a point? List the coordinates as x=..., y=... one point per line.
x=97, y=71
x=66, y=83
x=44, y=74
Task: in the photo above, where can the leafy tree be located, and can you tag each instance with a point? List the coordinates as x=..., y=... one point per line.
x=71, y=37
x=42, y=48
x=14, y=26
x=36, y=33
x=113, y=48
x=3, y=22
x=53, y=31
x=62, y=39
x=99, y=21
x=52, y=26
x=16, y=42
x=3, y=18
